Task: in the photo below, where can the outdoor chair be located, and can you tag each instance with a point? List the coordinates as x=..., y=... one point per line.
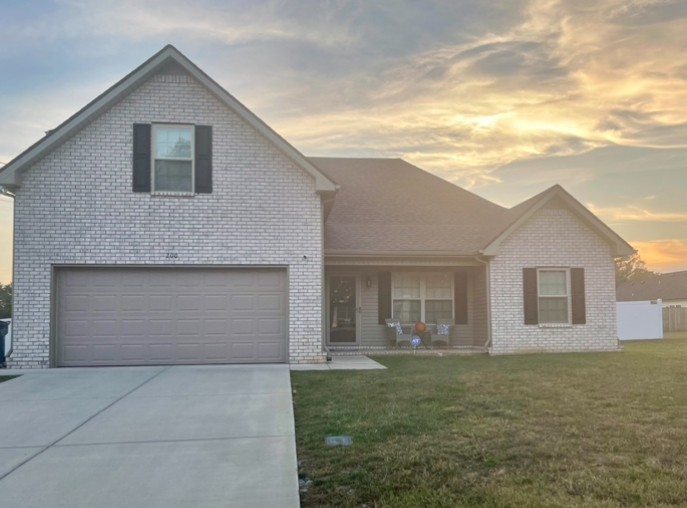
x=444, y=332
x=395, y=334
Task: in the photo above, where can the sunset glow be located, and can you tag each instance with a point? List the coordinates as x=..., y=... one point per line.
x=503, y=98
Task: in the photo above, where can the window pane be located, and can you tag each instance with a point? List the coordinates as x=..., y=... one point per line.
x=406, y=286
x=552, y=283
x=438, y=309
x=439, y=285
x=407, y=311
x=175, y=176
x=173, y=142
x=553, y=310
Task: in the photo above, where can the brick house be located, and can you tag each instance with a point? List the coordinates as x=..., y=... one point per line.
x=165, y=223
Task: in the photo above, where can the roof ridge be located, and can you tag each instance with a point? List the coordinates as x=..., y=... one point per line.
x=455, y=186
x=420, y=170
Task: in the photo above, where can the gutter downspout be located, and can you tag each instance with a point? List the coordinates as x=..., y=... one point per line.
x=487, y=274
x=5, y=192
x=323, y=313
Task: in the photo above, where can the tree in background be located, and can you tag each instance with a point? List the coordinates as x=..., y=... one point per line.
x=5, y=301
x=632, y=269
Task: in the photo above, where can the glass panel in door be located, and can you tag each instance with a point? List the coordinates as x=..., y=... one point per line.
x=343, y=308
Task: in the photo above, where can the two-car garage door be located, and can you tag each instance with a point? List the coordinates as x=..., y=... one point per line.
x=179, y=315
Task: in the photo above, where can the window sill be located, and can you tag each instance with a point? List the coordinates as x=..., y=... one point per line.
x=555, y=325
x=170, y=194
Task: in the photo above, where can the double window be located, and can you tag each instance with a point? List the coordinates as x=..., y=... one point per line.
x=422, y=296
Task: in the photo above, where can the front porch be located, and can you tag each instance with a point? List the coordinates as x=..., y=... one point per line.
x=362, y=294
x=338, y=351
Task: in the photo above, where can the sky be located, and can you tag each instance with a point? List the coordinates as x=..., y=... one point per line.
x=503, y=98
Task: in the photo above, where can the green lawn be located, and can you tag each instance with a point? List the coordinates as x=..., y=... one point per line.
x=607, y=429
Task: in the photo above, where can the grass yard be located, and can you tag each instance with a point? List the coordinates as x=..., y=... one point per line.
x=606, y=429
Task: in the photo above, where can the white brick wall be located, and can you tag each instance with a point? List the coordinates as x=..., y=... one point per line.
x=76, y=206
x=553, y=237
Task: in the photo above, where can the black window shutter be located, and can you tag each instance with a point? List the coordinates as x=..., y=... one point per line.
x=529, y=285
x=577, y=293
x=383, y=296
x=203, y=159
x=141, y=176
x=460, y=297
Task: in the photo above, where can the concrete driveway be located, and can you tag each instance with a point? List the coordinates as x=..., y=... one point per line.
x=199, y=436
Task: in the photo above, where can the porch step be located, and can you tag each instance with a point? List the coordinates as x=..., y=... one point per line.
x=381, y=350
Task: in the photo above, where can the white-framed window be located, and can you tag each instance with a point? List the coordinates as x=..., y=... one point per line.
x=172, y=154
x=422, y=297
x=553, y=290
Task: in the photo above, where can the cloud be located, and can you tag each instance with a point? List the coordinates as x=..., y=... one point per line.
x=24, y=123
x=233, y=22
x=566, y=79
x=636, y=214
x=504, y=98
x=462, y=88
x=663, y=255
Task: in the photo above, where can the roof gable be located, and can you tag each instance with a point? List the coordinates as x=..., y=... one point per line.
x=169, y=56
x=519, y=214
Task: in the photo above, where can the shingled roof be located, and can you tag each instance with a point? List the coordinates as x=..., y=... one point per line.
x=388, y=206
x=667, y=286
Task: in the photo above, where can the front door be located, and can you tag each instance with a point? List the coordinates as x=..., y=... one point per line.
x=343, y=310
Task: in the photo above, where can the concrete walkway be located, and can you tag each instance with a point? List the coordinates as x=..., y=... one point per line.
x=148, y=437
x=356, y=362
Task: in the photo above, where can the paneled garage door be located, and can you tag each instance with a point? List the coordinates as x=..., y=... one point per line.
x=160, y=316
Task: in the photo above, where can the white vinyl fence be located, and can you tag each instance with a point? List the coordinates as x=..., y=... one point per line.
x=640, y=320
